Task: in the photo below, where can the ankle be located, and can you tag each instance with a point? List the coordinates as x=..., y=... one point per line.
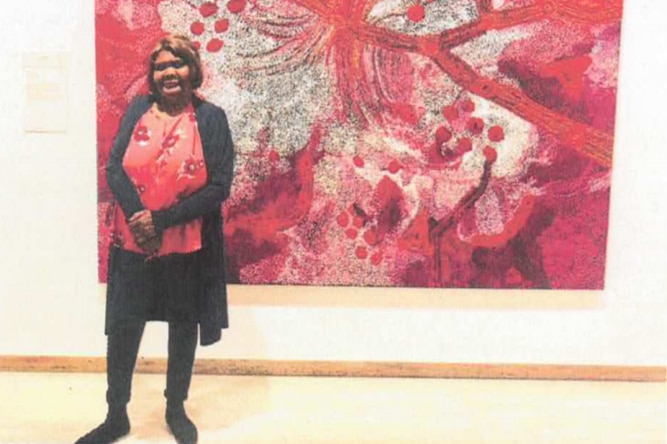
x=175, y=407
x=117, y=412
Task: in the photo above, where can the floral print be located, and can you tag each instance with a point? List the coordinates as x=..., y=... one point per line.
x=190, y=167
x=166, y=163
x=142, y=134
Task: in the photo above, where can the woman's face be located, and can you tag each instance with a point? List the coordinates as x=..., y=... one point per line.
x=171, y=75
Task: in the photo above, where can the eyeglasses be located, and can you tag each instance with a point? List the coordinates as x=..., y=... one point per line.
x=176, y=64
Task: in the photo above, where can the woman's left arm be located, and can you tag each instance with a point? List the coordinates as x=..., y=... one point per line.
x=219, y=156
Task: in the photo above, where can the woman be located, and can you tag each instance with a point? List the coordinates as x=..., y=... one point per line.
x=170, y=168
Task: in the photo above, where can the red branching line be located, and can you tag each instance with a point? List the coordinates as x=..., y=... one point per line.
x=591, y=142
x=492, y=20
x=495, y=20
x=322, y=8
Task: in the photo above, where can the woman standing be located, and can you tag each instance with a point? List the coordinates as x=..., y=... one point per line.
x=170, y=168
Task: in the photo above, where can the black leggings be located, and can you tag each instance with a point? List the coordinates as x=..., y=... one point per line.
x=122, y=350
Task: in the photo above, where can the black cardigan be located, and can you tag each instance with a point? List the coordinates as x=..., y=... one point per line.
x=219, y=156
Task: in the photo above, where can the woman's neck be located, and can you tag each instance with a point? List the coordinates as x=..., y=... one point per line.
x=173, y=107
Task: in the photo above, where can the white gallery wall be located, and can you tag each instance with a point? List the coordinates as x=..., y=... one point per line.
x=51, y=303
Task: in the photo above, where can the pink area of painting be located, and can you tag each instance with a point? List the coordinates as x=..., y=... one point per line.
x=371, y=153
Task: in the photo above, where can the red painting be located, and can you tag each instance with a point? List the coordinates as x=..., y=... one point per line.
x=403, y=143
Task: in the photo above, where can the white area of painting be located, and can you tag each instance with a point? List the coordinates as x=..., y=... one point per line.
x=51, y=304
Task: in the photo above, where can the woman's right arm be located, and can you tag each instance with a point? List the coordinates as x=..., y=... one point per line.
x=121, y=186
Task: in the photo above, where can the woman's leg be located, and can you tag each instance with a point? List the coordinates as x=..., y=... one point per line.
x=122, y=350
x=182, y=346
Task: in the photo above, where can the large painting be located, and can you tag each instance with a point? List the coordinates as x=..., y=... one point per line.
x=406, y=143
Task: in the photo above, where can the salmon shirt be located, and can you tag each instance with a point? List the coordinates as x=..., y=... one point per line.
x=165, y=162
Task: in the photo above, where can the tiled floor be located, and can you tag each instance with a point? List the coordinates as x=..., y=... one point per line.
x=57, y=408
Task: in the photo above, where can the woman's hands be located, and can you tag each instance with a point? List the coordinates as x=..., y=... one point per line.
x=144, y=233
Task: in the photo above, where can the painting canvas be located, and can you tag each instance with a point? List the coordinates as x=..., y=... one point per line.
x=394, y=143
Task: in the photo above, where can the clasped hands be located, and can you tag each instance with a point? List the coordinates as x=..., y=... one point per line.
x=144, y=232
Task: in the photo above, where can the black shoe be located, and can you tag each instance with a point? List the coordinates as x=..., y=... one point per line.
x=112, y=429
x=180, y=425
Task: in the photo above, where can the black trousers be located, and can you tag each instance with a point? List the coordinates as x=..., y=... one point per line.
x=122, y=350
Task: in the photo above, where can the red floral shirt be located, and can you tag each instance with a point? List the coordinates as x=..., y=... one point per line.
x=165, y=162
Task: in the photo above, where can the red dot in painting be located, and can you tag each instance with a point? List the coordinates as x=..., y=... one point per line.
x=208, y=9
x=475, y=125
x=197, y=28
x=416, y=13
x=214, y=45
x=490, y=154
x=343, y=219
x=274, y=156
x=371, y=237
x=450, y=113
x=442, y=135
x=361, y=252
x=496, y=133
x=358, y=222
x=394, y=167
x=464, y=145
x=221, y=25
x=236, y=6
x=358, y=161
x=351, y=233
x=376, y=259
x=197, y=45
x=468, y=106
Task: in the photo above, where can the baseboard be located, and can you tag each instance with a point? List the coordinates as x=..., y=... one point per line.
x=351, y=369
